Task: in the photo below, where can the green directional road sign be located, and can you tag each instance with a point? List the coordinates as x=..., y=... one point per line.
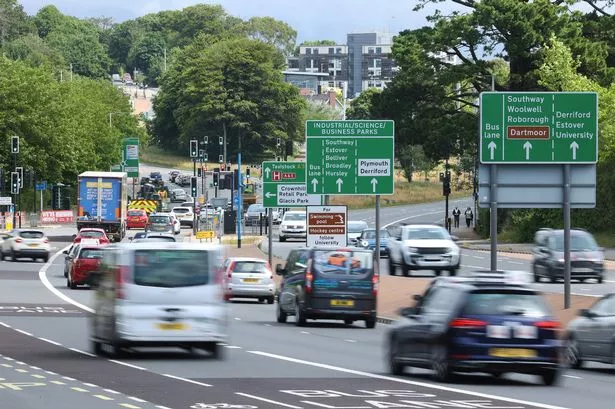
x=130, y=155
x=350, y=157
x=116, y=168
x=539, y=127
x=284, y=185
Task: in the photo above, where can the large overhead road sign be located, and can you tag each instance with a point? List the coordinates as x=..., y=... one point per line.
x=538, y=127
x=284, y=185
x=350, y=157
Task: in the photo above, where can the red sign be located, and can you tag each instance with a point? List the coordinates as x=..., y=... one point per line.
x=289, y=175
x=56, y=216
x=276, y=175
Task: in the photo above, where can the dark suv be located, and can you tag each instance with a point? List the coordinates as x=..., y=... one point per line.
x=328, y=283
x=586, y=257
x=487, y=322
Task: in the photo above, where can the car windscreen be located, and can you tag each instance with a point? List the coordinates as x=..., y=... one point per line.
x=256, y=209
x=294, y=217
x=31, y=234
x=356, y=227
x=91, y=254
x=90, y=234
x=158, y=238
x=180, y=210
x=371, y=234
x=171, y=268
x=425, y=233
x=578, y=242
x=506, y=302
x=135, y=213
x=337, y=263
x=159, y=219
x=255, y=267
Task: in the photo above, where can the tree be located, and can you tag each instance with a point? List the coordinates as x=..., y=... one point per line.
x=47, y=19
x=412, y=158
x=33, y=50
x=273, y=32
x=366, y=105
x=14, y=21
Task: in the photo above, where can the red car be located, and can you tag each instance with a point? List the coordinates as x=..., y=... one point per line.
x=86, y=260
x=137, y=219
x=93, y=234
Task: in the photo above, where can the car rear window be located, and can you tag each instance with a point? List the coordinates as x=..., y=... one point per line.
x=250, y=267
x=356, y=227
x=506, y=303
x=135, y=213
x=159, y=219
x=294, y=216
x=91, y=254
x=342, y=263
x=171, y=268
x=158, y=238
x=31, y=235
x=180, y=210
x=91, y=234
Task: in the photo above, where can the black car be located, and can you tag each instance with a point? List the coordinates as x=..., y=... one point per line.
x=591, y=336
x=328, y=283
x=586, y=257
x=487, y=322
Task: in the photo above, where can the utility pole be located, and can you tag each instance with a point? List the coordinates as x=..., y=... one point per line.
x=71, y=71
x=164, y=66
x=445, y=178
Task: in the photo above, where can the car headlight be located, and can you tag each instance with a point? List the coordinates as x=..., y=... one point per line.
x=411, y=249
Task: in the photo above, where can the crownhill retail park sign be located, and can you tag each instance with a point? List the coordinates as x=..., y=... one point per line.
x=539, y=127
x=284, y=185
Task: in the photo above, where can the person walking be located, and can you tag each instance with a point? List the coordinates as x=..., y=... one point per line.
x=456, y=215
x=469, y=216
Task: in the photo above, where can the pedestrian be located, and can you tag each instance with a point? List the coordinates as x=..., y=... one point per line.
x=456, y=215
x=469, y=216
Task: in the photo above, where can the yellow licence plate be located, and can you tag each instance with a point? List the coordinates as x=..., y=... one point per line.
x=342, y=303
x=512, y=353
x=33, y=245
x=172, y=326
x=250, y=280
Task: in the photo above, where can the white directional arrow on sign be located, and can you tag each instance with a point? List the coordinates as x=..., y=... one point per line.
x=574, y=146
x=339, y=182
x=492, y=146
x=374, y=183
x=527, y=146
x=267, y=172
x=270, y=195
x=314, y=183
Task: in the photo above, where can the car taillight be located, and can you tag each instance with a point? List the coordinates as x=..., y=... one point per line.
x=375, y=281
x=45, y=240
x=230, y=270
x=18, y=240
x=121, y=275
x=308, y=277
x=549, y=325
x=467, y=323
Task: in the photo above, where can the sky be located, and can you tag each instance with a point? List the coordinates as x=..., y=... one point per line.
x=312, y=19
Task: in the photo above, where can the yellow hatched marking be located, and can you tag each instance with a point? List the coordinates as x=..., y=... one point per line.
x=129, y=406
x=38, y=376
x=79, y=389
x=103, y=397
x=58, y=382
x=21, y=370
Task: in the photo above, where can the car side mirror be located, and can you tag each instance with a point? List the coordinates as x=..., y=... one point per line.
x=279, y=270
x=417, y=297
x=407, y=311
x=584, y=312
x=65, y=252
x=454, y=238
x=74, y=237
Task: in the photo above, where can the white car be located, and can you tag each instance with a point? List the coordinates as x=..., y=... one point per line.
x=176, y=224
x=248, y=277
x=293, y=226
x=423, y=247
x=184, y=215
x=354, y=229
x=178, y=195
x=25, y=243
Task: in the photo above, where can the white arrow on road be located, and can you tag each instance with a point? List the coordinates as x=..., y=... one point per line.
x=267, y=172
x=314, y=183
x=492, y=146
x=574, y=146
x=339, y=182
x=269, y=195
x=527, y=146
x=374, y=183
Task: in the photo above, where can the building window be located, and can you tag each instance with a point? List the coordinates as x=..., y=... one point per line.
x=331, y=49
x=315, y=50
x=338, y=50
x=370, y=50
x=308, y=51
x=377, y=63
x=378, y=50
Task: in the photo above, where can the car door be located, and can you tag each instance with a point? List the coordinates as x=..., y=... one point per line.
x=604, y=329
x=436, y=316
x=589, y=331
x=68, y=259
x=294, y=279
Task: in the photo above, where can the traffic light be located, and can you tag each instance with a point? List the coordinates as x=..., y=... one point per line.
x=56, y=198
x=193, y=186
x=194, y=148
x=19, y=171
x=15, y=144
x=199, y=172
x=14, y=183
x=247, y=173
x=216, y=177
x=206, y=140
x=221, y=140
x=220, y=158
x=446, y=184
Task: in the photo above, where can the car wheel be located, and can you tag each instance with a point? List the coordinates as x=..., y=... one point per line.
x=438, y=273
x=280, y=315
x=96, y=347
x=395, y=367
x=573, y=353
x=348, y=321
x=13, y=255
x=299, y=316
x=452, y=272
x=370, y=323
x=392, y=268
x=65, y=272
x=46, y=258
x=535, y=274
x=261, y=299
x=550, y=377
x=599, y=279
x=282, y=239
x=440, y=365
x=405, y=271
x=270, y=300
x=215, y=349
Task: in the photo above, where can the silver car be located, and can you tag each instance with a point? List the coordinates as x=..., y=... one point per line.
x=247, y=277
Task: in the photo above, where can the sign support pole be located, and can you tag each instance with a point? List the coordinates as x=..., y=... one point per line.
x=493, y=217
x=377, y=250
x=195, y=227
x=270, y=238
x=567, y=224
x=41, y=200
x=239, y=186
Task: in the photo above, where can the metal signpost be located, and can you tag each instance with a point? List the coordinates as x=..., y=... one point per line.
x=41, y=186
x=540, y=149
x=326, y=226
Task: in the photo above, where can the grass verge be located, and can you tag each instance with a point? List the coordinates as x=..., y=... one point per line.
x=605, y=239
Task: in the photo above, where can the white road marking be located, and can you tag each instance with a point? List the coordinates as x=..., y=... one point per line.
x=5, y=325
x=268, y=400
x=478, y=257
x=232, y=347
x=515, y=262
x=50, y=341
x=103, y=397
x=91, y=385
x=350, y=340
x=23, y=332
x=572, y=376
x=469, y=266
x=68, y=378
x=404, y=381
x=185, y=379
x=410, y=217
x=81, y=352
x=304, y=332
x=127, y=364
x=162, y=407
x=111, y=391
x=137, y=399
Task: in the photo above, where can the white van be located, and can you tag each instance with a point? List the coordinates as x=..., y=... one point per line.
x=154, y=294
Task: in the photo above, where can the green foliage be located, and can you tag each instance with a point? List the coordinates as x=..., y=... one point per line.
x=33, y=50
x=318, y=43
x=14, y=22
x=273, y=32
x=365, y=106
x=412, y=158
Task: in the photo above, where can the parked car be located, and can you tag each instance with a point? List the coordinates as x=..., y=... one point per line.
x=354, y=230
x=25, y=243
x=163, y=295
x=83, y=262
x=92, y=233
x=423, y=247
x=248, y=277
x=293, y=226
x=160, y=223
x=487, y=322
x=328, y=283
x=136, y=219
x=185, y=215
x=586, y=257
x=367, y=240
x=591, y=336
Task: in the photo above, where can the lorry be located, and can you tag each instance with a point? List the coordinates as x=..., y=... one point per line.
x=102, y=202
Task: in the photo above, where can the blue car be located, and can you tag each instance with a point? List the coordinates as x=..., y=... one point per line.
x=485, y=323
x=367, y=240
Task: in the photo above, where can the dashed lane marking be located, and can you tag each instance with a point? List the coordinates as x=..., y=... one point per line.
x=77, y=389
x=127, y=364
x=130, y=406
x=179, y=378
x=103, y=397
x=50, y=341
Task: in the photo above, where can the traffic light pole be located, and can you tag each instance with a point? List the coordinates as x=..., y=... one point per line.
x=15, y=194
x=194, y=221
x=447, y=191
